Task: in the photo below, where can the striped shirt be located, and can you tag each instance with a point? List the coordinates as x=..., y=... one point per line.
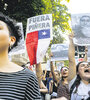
x=21, y=85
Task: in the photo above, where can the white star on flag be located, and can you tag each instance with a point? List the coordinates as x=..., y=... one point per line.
x=44, y=33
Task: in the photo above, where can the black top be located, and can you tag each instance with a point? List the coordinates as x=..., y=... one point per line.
x=21, y=85
x=54, y=87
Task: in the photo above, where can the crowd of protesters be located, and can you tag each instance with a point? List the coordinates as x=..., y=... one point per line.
x=17, y=83
x=72, y=82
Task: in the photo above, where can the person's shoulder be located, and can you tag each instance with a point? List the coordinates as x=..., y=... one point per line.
x=72, y=81
x=28, y=72
x=30, y=76
x=23, y=71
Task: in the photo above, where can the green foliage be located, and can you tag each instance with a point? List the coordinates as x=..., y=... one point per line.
x=60, y=18
x=57, y=38
x=21, y=9
x=66, y=63
x=59, y=12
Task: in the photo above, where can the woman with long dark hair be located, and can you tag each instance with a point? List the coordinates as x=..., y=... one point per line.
x=62, y=88
x=79, y=76
x=80, y=90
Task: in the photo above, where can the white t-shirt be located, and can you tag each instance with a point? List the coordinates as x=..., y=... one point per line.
x=82, y=91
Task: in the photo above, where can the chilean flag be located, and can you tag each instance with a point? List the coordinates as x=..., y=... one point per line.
x=37, y=43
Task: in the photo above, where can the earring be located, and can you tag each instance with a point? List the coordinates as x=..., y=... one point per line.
x=10, y=46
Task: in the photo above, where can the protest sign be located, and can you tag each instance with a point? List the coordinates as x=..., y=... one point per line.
x=88, y=53
x=81, y=27
x=20, y=59
x=48, y=65
x=20, y=48
x=60, y=52
x=39, y=29
x=79, y=53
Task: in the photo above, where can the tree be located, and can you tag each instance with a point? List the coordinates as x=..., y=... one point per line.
x=21, y=9
x=60, y=18
x=57, y=38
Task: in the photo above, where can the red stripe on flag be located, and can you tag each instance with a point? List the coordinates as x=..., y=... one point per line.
x=31, y=45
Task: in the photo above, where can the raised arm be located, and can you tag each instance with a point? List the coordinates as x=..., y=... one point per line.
x=86, y=50
x=39, y=73
x=43, y=88
x=51, y=87
x=53, y=73
x=44, y=75
x=71, y=56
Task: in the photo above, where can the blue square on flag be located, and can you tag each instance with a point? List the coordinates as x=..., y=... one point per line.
x=43, y=34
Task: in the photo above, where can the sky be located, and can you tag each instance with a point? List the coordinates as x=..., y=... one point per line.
x=79, y=6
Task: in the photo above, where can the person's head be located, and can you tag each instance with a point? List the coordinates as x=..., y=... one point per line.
x=50, y=74
x=57, y=73
x=83, y=70
x=64, y=72
x=8, y=33
x=83, y=73
x=85, y=25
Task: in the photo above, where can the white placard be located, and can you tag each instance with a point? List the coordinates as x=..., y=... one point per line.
x=38, y=23
x=88, y=54
x=60, y=52
x=38, y=36
x=48, y=65
x=81, y=28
